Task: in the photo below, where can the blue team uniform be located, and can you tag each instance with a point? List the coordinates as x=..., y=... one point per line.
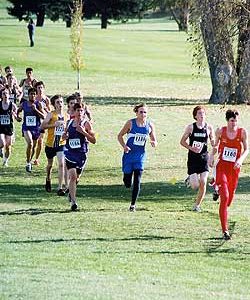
x=31, y=121
x=76, y=147
x=136, y=141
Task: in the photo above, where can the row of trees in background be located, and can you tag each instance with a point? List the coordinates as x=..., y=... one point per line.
x=121, y=10
x=215, y=28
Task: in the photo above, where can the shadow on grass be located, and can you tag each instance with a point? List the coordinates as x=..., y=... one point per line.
x=138, y=238
x=150, y=191
x=150, y=101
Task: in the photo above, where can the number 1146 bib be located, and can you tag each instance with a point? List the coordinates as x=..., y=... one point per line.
x=229, y=154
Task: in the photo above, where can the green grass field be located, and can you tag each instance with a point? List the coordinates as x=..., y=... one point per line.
x=164, y=250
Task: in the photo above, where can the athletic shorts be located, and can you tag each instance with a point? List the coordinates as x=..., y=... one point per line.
x=197, y=163
x=129, y=167
x=75, y=161
x=6, y=131
x=34, y=133
x=52, y=151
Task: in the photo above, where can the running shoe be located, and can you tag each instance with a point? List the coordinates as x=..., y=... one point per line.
x=226, y=236
x=48, y=186
x=61, y=192
x=197, y=208
x=74, y=206
x=28, y=167
x=215, y=195
x=132, y=208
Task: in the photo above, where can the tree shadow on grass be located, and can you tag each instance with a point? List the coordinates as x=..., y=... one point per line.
x=100, y=239
x=158, y=192
x=149, y=100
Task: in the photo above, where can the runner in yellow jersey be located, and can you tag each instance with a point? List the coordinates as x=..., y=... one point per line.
x=55, y=122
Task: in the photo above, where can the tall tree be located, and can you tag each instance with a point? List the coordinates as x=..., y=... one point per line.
x=217, y=20
x=76, y=38
x=112, y=9
x=24, y=9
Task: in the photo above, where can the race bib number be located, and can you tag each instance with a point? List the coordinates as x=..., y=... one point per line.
x=59, y=130
x=5, y=119
x=198, y=145
x=74, y=143
x=12, y=97
x=229, y=154
x=25, y=93
x=140, y=139
x=30, y=120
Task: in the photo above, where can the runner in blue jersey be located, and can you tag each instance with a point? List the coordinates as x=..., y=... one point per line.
x=32, y=113
x=137, y=130
x=78, y=133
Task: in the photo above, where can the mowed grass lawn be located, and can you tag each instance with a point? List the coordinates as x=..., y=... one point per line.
x=164, y=250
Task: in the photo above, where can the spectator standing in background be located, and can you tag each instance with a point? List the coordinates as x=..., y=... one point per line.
x=31, y=29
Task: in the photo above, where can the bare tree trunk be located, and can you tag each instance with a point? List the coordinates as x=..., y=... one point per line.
x=40, y=17
x=181, y=15
x=243, y=88
x=244, y=29
x=219, y=51
x=78, y=80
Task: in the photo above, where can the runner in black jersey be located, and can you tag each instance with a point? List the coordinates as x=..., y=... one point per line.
x=7, y=112
x=198, y=134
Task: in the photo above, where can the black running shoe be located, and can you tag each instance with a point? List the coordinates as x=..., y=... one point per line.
x=132, y=208
x=226, y=236
x=215, y=195
x=74, y=206
x=48, y=186
x=61, y=192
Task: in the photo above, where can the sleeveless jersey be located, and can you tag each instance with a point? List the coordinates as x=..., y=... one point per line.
x=31, y=121
x=54, y=136
x=76, y=141
x=230, y=149
x=6, y=118
x=26, y=88
x=136, y=141
x=198, y=138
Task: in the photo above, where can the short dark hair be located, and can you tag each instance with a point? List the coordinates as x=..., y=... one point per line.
x=79, y=105
x=6, y=68
x=31, y=90
x=139, y=106
x=29, y=70
x=231, y=113
x=69, y=98
x=54, y=98
x=195, y=110
x=39, y=83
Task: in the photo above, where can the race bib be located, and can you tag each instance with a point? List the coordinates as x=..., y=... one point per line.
x=12, y=97
x=25, y=93
x=229, y=154
x=140, y=139
x=5, y=119
x=30, y=120
x=74, y=143
x=59, y=130
x=198, y=145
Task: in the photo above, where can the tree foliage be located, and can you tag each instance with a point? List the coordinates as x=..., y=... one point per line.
x=76, y=38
